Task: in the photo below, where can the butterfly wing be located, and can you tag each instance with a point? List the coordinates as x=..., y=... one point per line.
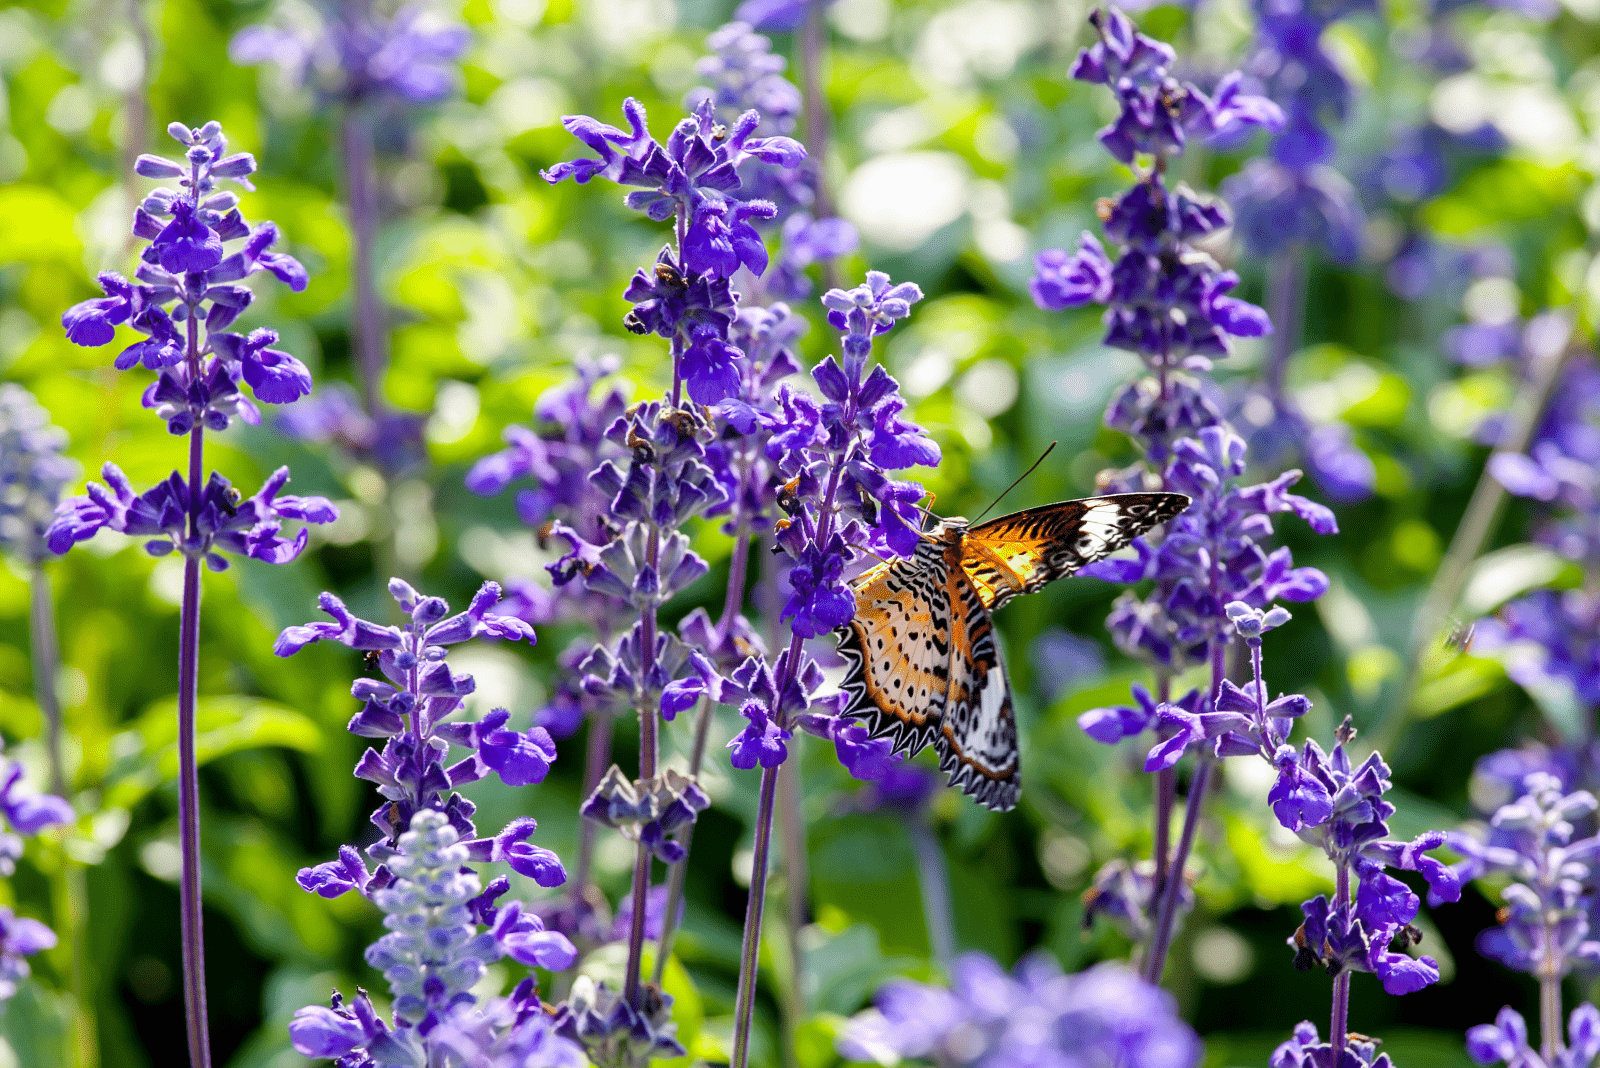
x=897, y=649
x=1024, y=551
x=977, y=739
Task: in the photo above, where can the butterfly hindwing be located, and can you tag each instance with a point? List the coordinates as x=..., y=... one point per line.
x=897, y=649
x=1025, y=551
x=977, y=742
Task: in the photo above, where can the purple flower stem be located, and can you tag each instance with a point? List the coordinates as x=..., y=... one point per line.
x=792, y=822
x=69, y=886
x=1477, y=524
x=1339, y=1025
x=189, y=904
x=361, y=192
x=815, y=106
x=597, y=757
x=934, y=881
x=1286, y=300
x=1549, y=1011
x=738, y=569
x=750, y=950
x=649, y=756
x=1166, y=791
x=46, y=667
x=1172, y=888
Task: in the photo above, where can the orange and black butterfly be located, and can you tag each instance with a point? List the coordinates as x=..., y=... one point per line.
x=922, y=666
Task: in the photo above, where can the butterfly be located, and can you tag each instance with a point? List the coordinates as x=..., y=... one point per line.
x=922, y=666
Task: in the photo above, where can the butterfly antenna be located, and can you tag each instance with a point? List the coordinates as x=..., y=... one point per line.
x=927, y=510
x=1018, y=482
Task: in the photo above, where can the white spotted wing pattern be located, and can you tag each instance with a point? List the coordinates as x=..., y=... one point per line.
x=922, y=664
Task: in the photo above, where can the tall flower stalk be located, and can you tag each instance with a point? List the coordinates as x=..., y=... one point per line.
x=676, y=467
x=366, y=63
x=1289, y=206
x=33, y=473
x=188, y=289
x=1544, y=926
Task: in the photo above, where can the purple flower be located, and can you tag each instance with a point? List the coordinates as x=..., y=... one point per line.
x=275, y=376
x=519, y=759
x=762, y=742
x=1034, y=1016
x=360, y=54
x=20, y=938
x=33, y=473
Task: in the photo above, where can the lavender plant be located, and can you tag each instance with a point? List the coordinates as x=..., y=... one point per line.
x=1287, y=204
x=437, y=948
x=1215, y=585
x=987, y=1019
x=33, y=474
x=187, y=291
x=367, y=64
x=435, y=906
x=1544, y=926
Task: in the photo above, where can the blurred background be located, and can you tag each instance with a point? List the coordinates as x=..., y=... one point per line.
x=1457, y=203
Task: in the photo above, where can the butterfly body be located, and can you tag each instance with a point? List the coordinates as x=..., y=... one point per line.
x=922, y=663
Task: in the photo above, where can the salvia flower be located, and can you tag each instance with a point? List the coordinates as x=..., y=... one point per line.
x=361, y=53
x=1307, y=1050
x=692, y=177
x=1506, y=1040
x=1166, y=300
x=187, y=278
x=414, y=708
x=1035, y=1016
x=615, y=1033
x=20, y=938
x=33, y=472
x=1544, y=928
x=444, y=933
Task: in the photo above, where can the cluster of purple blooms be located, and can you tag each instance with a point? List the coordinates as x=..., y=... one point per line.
x=744, y=74
x=1037, y=1015
x=360, y=53
x=189, y=288
x=1538, y=839
x=33, y=472
x=436, y=951
x=445, y=930
x=1212, y=581
x=1293, y=196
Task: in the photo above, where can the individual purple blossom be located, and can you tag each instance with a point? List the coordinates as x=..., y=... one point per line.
x=1034, y=1016
x=360, y=53
x=20, y=938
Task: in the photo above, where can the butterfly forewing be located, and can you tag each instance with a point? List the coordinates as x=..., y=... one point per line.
x=922, y=663
x=1025, y=551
